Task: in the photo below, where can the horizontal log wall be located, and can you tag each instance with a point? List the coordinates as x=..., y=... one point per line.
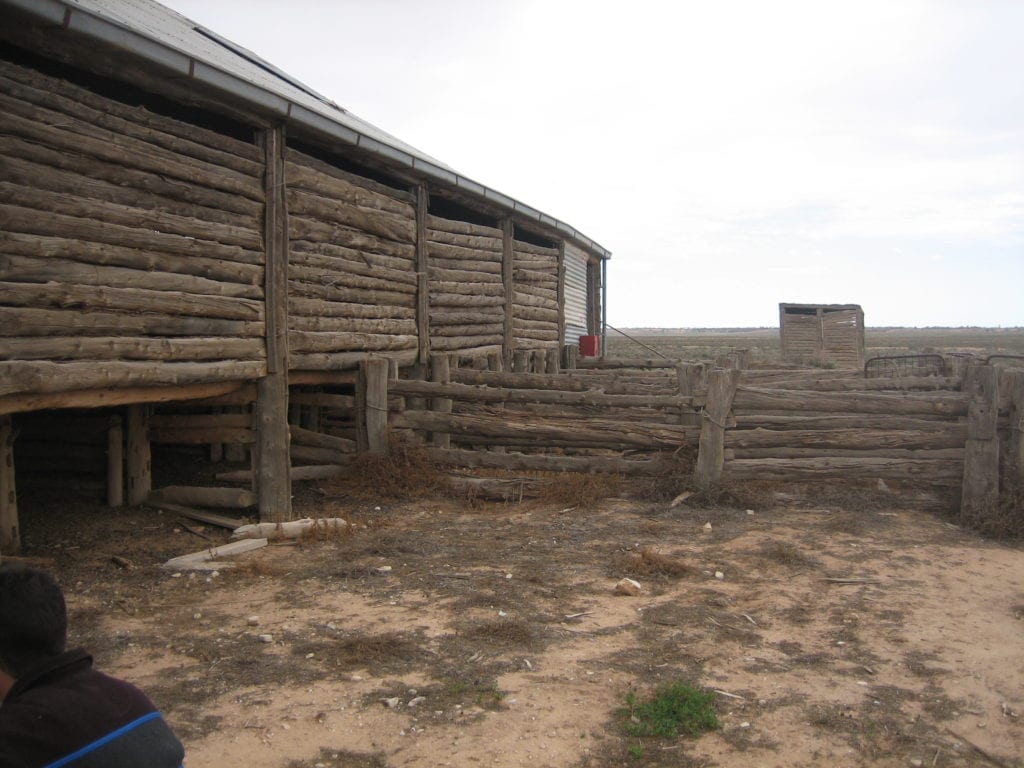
x=466, y=293
x=127, y=239
x=535, y=296
x=352, y=281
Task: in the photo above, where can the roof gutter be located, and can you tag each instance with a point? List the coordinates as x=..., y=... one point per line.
x=87, y=24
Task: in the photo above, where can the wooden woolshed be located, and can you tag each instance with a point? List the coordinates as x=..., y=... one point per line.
x=822, y=334
x=198, y=250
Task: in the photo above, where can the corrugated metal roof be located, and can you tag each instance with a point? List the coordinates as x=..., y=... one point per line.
x=193, y=51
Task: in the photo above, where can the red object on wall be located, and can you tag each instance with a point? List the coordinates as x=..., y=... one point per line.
x=589, y=346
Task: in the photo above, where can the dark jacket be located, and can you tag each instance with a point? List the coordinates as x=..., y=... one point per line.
x=65, y=713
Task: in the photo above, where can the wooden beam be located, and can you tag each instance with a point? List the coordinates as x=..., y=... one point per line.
x=507, y=269
x=440, y=373
x=374, y=421
x=189, y=495
x=104, y=398
x=422, y=274
x=272, y=462
x=139, y=458
x=710, y=455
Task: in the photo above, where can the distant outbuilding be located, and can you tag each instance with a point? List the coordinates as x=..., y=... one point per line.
x=822, y=334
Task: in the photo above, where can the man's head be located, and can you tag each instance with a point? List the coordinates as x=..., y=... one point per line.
x=33, y=619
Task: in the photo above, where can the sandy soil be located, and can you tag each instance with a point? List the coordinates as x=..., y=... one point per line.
x=496, y=635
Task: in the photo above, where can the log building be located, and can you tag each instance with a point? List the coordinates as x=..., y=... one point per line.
x=819, y=334
x=181, y=221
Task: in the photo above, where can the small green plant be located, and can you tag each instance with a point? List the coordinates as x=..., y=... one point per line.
x=672, y=709
x=635, y=752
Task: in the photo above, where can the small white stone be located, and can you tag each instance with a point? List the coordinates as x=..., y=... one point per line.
x=750, y=511
x=376, y=509
x=508, y=575
x=707, y=527
x=502, y=614
x=310, y=655
x=719, y=575
x=197, y=615
x=253, y=621
x=744, y=724
x=384, y=569
x=415, y=702
x=915, y=762
x=266, y=638
x=628, y=587
x=391, y=702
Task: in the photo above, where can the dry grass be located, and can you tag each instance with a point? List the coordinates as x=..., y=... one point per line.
x=404, y=472
x=789, y=555
x=1004, y=520
x=578, y=490
x=649, y=563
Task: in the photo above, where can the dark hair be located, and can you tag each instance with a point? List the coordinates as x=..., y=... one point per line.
x=33, y=619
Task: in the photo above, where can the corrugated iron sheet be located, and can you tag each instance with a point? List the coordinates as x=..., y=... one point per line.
x=575, y=294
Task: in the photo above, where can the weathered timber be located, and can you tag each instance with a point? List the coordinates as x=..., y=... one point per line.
x=710, y=455
x=138, y=456
x=56, y=181
x=372, y=405
x=459, y=343
x=20, y=271
x=344, y=266
x=947, y=436
x=494, y=488
x=202, y=435
x=469, y=242
x=906, y=403
x=786, y=421
x=189, y=495
x=309, y=472
x=324, y=399
x=315, y=454
x=440, y=375
x=953, y=454
x=339, y=361
x=440, y=275
x=45, y=84
x=316, y=308
x=271, y=450
x=10, y=534
x=346, y=279
x=595, y=433
x=103, y=398
x=372, y=221
x=526, y=299
x=980, y=491
x=305, y=228
x=119, y=348
x=405, y=263
x=438, y=299
x=228, y=278
x=441, y=317
x=487, y=267
x=126, y=299
x=474, y=329
x=40, y=125
x=335, y=341
x=301, y=436
x=200, y=515
x=545, y=463
x=200, y=421
x=422, y=276
x=16, y=218
x=24, y=376
x=338, y=293
x=860, y=384
x=944, y=471
x=502, y=394
x=386, y=326
x=462, y=227
x=94, y=170
x=518, y=380
x=345, y=186
x=626, y=362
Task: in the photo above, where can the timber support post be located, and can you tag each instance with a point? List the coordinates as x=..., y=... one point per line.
x=507, y=270
x=711, y=452
x=422, y=275
x=571, y=354
x=691, y=377
x=272, y=477
x=139, y=457
x=372, y=405
x=115, y=463
x=10, y=537
x=1016, y=480
x=440, y=373
x=981, y=454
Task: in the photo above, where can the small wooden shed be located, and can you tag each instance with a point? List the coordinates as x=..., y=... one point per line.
x=822, y=334
x=181, y=222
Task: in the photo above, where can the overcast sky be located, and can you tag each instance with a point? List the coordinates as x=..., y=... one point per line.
x=731, y=155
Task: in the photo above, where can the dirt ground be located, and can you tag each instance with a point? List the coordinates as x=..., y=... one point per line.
x=438, y=633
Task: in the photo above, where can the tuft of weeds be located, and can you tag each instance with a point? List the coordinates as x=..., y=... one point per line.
x=671, y=710
x=582, y=491
x=649, y=563
x=404, y=472
x=1002, y=520
x=789, y=555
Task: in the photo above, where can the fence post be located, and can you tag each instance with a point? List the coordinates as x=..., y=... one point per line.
x=372, y=405
x=10, y=538
x=115, y=463
x=711, y=451
x=981, y=454
x=140, y=475
x=440, y=373
x=1015, y=465
x=572, y=353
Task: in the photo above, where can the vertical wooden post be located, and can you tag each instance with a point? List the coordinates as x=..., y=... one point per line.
x=980, y=492
x=272, y=451
x=711, y=452
x=540, y=361
x=561, y=293
x=521, y=361
x=372, y=403
x=440, y=372
x=422, y=274
x=495, y=362
x=692, y=378
x=139, y=459
x=551, y=360
x=1016, y=451
x=115, y=463
x=10, y=536
x=507, y=267
x=572, y=354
